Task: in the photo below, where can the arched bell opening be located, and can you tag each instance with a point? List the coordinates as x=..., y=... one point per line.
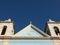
x=4, y=30
x=56, y=30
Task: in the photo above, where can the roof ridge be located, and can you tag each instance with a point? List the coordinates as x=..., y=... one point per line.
x=39, y=30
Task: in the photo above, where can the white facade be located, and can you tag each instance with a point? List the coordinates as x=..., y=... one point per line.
x=30, y=35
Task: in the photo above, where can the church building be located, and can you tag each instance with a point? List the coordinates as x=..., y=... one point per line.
x=30, y=35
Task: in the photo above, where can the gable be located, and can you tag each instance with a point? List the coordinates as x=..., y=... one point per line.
x=30, y=31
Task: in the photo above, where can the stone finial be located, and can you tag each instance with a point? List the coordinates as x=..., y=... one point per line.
x=51, y=20
x=9, y=20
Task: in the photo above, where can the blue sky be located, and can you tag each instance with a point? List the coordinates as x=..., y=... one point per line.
x=24, y=11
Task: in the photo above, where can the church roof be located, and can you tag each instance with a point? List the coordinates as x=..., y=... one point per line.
x=31, y=31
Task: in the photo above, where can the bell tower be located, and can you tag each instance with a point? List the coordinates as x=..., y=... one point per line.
x=53, y=28
x=6, y=27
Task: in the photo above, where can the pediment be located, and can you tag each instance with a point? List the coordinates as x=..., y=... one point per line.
x=31, y=31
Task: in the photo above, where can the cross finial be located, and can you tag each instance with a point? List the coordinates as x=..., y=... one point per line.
x=30, y=22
